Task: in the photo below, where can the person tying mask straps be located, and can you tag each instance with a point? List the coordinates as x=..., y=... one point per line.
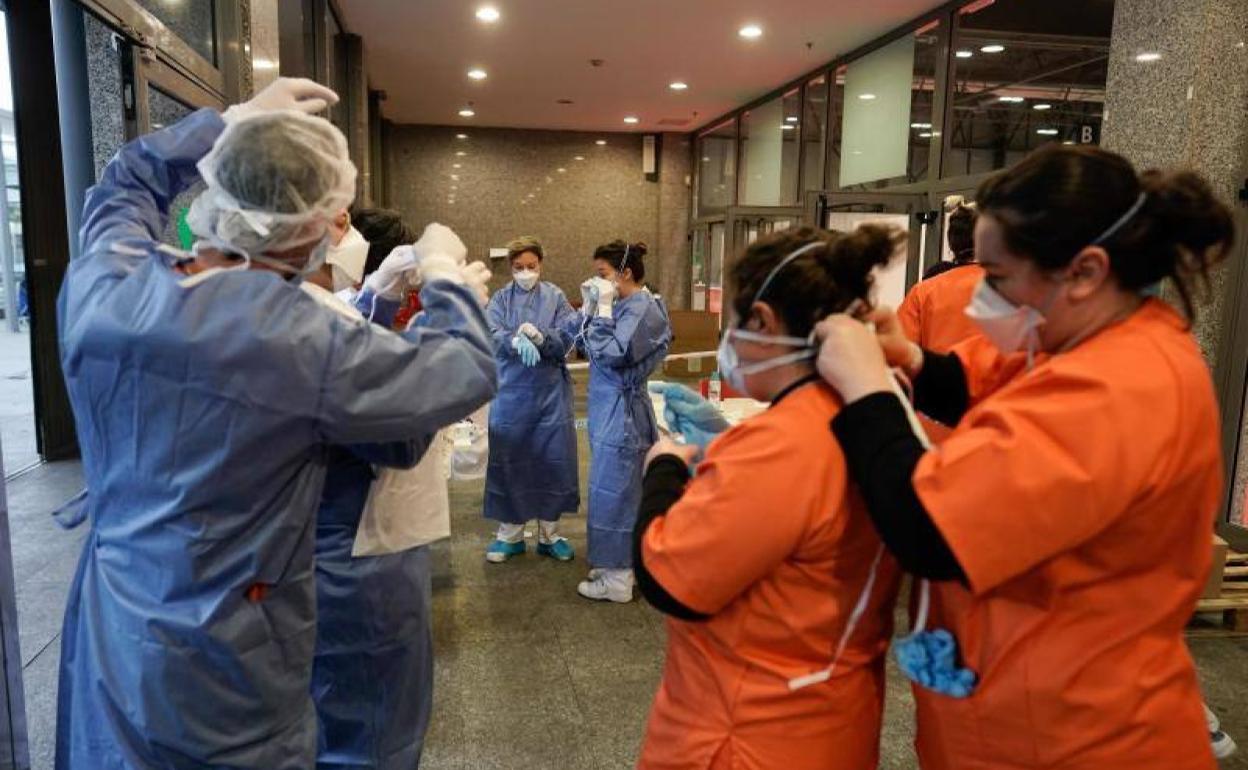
x=778, y=591
x=626, y=339
x=207, y=389
x=532, y=472
x=1075, y=498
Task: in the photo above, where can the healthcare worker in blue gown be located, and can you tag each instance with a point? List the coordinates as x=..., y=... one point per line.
x=372, y=676
x=626, y=335
x=207, y=388
x=532, y=472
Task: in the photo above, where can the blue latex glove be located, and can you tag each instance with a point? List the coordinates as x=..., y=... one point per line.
x=689, y=414
x=524, y=347
x=929, y=658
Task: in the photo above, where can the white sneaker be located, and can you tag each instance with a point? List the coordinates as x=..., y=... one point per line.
x=614, y=585
x=1223, y=744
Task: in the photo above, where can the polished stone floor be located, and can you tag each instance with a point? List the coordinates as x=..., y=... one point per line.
x=529, y=675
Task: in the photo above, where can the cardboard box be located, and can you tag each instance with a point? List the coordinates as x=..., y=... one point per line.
x=1213, y=586
x=693, y=331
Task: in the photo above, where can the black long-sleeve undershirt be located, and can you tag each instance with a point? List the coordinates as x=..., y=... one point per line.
x=940, y=389
x=663, y=485
x=882, y=451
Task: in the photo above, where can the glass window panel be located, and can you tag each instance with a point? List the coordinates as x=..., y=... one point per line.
x=813, y=134
x=699, y=269
x=769, y=150
x=890, y=281
x=1026, y=73
x=717, y=168
x=715, y=297
x=164, y=110
x=883, y=126
x=192, y=20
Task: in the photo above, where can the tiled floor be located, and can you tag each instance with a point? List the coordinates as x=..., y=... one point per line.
x=529, y=675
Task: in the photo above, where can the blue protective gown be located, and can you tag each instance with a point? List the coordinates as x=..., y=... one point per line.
x=204, y=409
x=533, y=468
x=623, y=351
x=372, y=676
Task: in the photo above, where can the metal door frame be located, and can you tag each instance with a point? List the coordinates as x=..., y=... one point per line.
x=918, y=205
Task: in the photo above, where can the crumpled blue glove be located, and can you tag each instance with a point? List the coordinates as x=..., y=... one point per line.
x=689, y=414
x=929, y=658
x=528, y=352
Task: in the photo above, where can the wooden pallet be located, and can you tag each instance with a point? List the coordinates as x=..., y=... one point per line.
x=1230, y=610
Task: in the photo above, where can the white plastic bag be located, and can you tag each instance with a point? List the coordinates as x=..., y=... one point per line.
x=407, y=508
x=471, y=454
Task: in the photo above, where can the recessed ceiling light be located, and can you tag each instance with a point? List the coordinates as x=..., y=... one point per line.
x=678, y=85
x=787, y=126
x=477, y=74
x=1047, y=131
x=1042, y=106
x=562, y=170
x=631, y=119
x=925, y=135
x=488, y=14
x=579, y=157
x=964, y=54
x=1147, y=56
x=866, y=97
x=467, y=112
x=791, y=119
x=1010, y=99
x=750, y=31
x=461, y=136
x=920, y=125
x=454, y=177
x=994, y=48
x=705, y=159
x=456, y=165
x=600, y=142
x=460, y=154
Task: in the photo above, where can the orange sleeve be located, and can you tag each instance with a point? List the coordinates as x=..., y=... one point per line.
x=743, y=514
x=1038, y=470
x=987, y=370
x=910, y=315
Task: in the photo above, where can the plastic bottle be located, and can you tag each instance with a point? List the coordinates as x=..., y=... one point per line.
x=713, y=389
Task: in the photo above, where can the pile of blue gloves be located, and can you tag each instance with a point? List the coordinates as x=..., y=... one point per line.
x=930, y=659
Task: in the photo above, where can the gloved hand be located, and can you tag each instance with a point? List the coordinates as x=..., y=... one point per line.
x=440, y=239
x=439, y=267
x=394, y=273
x=689, y=414
x=299, y=94
x=531, y=331
x=477, y=277
x=524, y=347
x=606, y=297
x=589, y=295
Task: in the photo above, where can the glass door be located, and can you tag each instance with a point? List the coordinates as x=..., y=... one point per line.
x=744, y=226
x=910, y=212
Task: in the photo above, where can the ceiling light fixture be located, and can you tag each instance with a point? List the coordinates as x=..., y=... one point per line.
x=1047, y=131
x=866, y=97
x=600, y=142
x=787, y=126
x=488, y=13
x=678, y=85
x=456, y=165
x=631, y=119
x=579, y=157
x=1010, y=99
x=460, y=154
x=994, y=48
x=477, y=74
x=467, y=112
x=1042, y=106
x=791, y=119
x=461, y=136
x=925, y=135
x=750, y=32
x=964, y=54
x=920, y=125
x=1147, y=56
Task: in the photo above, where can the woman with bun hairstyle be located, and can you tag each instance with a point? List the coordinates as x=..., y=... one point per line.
x=777, y=589
x=1075, y=498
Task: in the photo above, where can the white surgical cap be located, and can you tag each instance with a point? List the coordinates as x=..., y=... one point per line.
x=275, y=180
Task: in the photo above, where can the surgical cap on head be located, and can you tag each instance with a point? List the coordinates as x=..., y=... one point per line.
x=275, y=180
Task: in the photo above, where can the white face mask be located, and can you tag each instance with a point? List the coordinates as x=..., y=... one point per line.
x=1008, y=326
x=730, y=366
x=525, y=279
x=348, y=259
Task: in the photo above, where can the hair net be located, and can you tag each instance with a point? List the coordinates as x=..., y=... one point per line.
x=275, y=181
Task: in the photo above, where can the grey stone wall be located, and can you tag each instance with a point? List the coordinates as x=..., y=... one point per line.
x=500, y=183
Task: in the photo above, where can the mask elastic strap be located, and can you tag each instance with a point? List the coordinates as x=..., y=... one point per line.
x=776, y=270
x=755, y=367
x=1122, y=220
x=749, y=336
x=860, y=609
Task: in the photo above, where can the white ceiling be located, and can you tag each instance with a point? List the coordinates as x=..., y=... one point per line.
x=419, y=51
